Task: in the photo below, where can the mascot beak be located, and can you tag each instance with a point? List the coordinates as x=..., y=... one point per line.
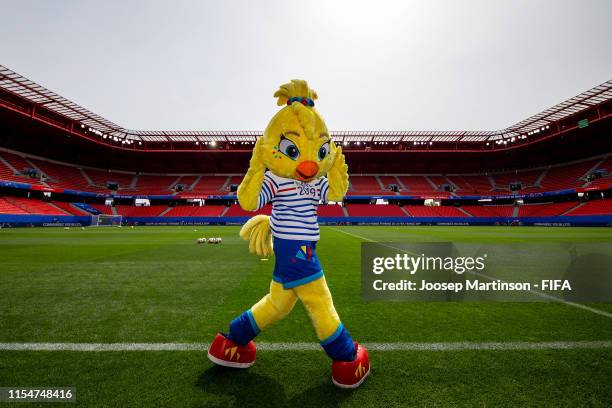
x=307, y=169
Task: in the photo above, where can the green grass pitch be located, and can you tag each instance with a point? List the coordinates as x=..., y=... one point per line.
x=155, y=285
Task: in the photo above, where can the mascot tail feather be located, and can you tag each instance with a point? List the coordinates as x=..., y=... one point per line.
x=257, y=232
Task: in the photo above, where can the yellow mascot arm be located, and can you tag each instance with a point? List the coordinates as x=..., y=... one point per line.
x=250, y=187
x=338, y=178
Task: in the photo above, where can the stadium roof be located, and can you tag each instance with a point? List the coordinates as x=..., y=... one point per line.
x=38, y=95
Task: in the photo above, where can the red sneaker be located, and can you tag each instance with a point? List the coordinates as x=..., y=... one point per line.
x=225, y=352
x=350, y=374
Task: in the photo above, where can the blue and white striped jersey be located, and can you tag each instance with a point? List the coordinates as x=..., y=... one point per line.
x=294, y=206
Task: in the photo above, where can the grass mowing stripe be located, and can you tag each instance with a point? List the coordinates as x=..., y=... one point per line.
x=453, y=346
x=535, y=292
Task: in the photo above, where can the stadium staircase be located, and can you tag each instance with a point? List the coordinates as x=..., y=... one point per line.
x=86, y=177
x=196, y=181
x=9, y=165
x=163, y=213
x=538, y=182
x=70, y=208
x=380, y=183
x=467, y=214
x=433, y=185
x=572, y=208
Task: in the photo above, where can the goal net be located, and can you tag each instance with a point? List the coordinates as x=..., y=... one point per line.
x=103, y=220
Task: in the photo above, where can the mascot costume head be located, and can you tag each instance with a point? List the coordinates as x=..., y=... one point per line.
x=294, y=167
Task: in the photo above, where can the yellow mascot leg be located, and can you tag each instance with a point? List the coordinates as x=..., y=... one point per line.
x=274, y=306
x=318, y=302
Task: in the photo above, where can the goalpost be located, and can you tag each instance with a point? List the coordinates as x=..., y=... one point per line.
x=104, y=220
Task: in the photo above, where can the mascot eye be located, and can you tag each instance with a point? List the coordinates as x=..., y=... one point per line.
x=324, y=151
x=288, y=148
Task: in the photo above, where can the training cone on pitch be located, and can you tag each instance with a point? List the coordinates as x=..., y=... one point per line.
x=225, y=352
x=350, y=374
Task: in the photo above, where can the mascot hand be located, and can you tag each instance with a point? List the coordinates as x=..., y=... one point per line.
x=338, y=178
x=257, y=232
x=248, y=191
x=256, y=164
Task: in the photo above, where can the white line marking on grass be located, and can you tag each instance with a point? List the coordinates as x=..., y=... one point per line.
x=454, y=346
x=352, y=235
x=535, y=292
x=554, y=298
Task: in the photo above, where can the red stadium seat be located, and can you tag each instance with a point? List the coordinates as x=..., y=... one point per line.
x=373, y=210
x=595, y=207
x=196, y=211
x=545, y=209
x=28, y=206
x=140, y=211
x=330, y=211
x=490, y=210
x=237, y=211
x=69, y=208
x=435, y=211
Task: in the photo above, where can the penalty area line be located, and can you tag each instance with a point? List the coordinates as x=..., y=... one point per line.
x=453, y=346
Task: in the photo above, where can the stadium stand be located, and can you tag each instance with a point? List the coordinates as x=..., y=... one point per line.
x=539, y=152
x=373, y=210
x=210, y=184
x=8, y=207
x=365, y=185
x=140, y=211
x=416, y=184
x=435, y=211
x=69, y=208
x=18, y=162
x=472, y=184
x=28, y=206
x=525, y=178
x=155, y=184
x=195, y=211
x=235, y=180
x=567, y=176
x=439, y=181
x=11, y=165
x=545, y=209
x=388, y=180
x=592, y=207
x=7, y=174
x=330, y=211
x=24, y=206
x=187, y=182
x=237, y=211
x=63, y=176
x=104, y=209
x=102, y=177
x=489, y=210
x=66, y=176
x=605, y=170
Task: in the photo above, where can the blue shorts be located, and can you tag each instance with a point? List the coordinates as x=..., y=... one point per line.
x=296, y=262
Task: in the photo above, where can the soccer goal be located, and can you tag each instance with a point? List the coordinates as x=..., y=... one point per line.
x=104, y=220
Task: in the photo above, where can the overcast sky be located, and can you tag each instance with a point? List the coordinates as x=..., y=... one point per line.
x=376, y=65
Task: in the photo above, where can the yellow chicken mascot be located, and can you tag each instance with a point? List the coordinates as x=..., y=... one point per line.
x=304, y=167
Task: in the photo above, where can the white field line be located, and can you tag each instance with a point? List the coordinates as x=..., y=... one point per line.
x=352, y=235
x=535, y=292
x=455, y=346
